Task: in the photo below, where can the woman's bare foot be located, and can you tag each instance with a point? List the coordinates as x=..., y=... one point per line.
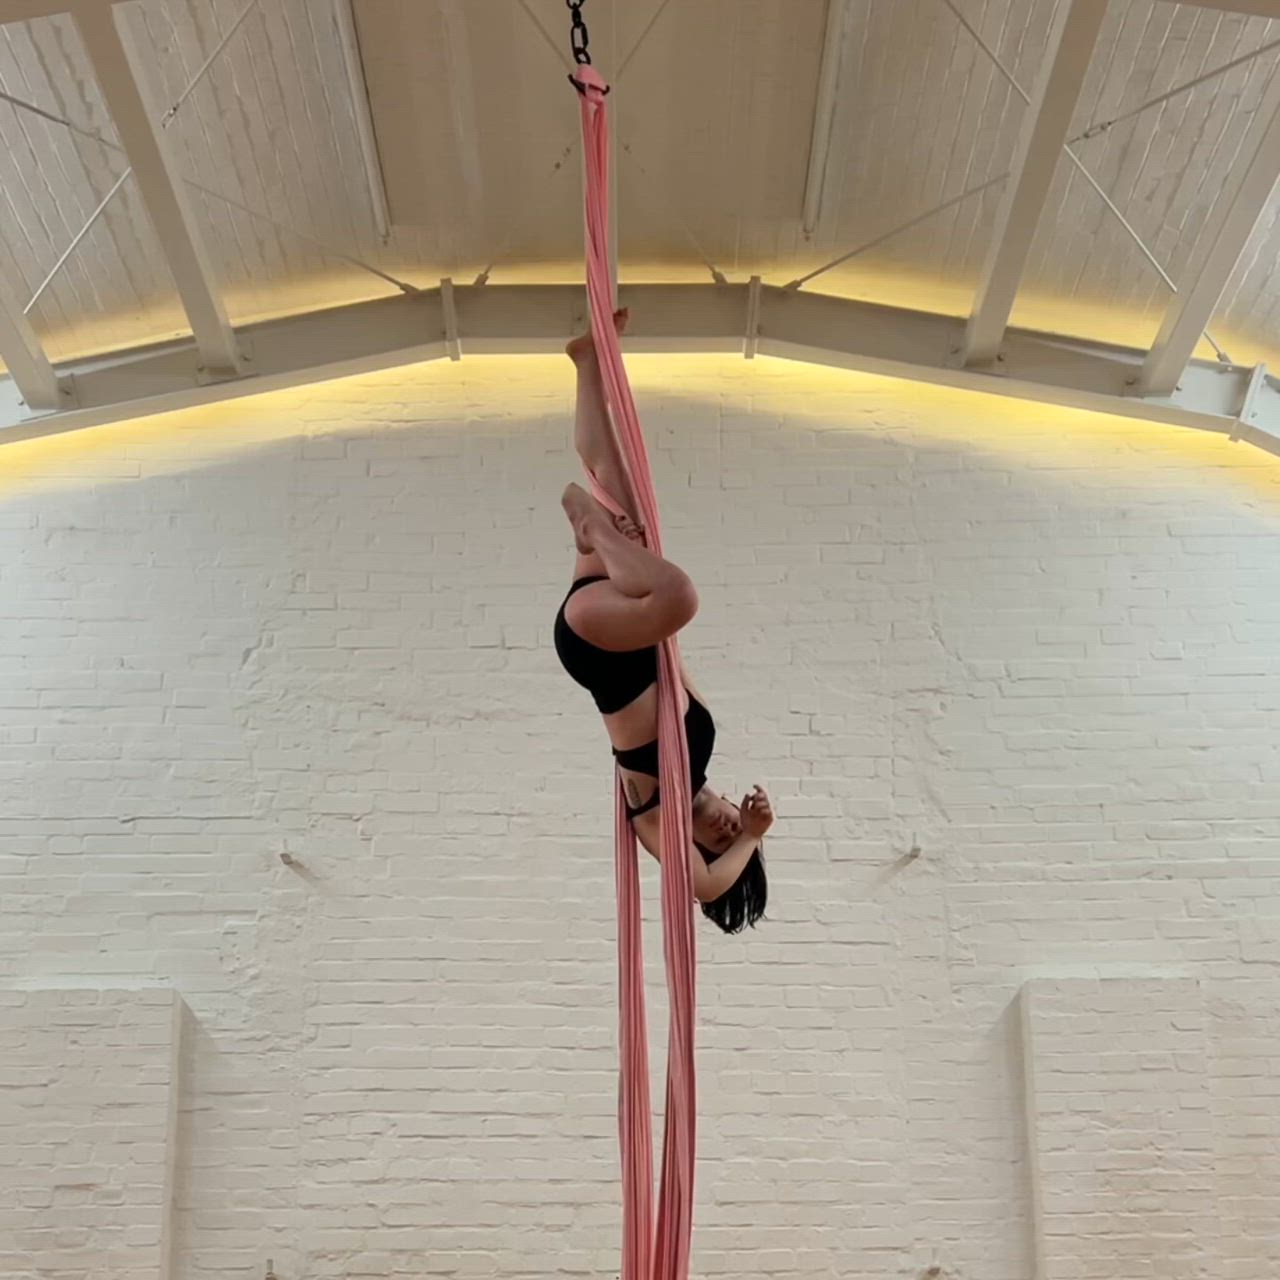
x=584, y=348
x=587, y=516
x=584, y=512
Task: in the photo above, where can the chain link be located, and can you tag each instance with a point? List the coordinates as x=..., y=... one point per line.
x=579, y=39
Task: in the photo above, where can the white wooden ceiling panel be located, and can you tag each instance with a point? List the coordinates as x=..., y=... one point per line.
x=53, y=181
x=271, y=127
x=923, y=115
x=1251, y=303
x=1164, y=168
x=714, y=117
x=712, y=121
x=477, y=131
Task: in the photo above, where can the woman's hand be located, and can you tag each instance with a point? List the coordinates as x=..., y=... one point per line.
x=756, y=814
x=629, y=529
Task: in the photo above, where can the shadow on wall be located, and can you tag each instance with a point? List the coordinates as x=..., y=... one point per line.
x=493, y=389
x=320, y=624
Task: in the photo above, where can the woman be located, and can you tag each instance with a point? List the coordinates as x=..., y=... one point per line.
x=623, y=603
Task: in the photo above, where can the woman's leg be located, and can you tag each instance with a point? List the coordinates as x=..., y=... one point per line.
x=645, y=598
x=592, y=432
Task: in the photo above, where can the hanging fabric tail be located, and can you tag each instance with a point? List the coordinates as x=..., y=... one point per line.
x=652, y=1249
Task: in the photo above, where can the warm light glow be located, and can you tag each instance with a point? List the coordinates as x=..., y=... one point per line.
x=865, y=280
x=1029, y=432
x=249, y=303
x=427, y=396
x=1092, y=320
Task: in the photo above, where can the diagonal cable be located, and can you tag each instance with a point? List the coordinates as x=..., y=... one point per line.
x=322, y=245
x=75, y=242
x=1092, y=131
x=897, y=230
x=568, y=149
x=168, y=118
x=716, y=275
x=403, y=285
x=548, y=39
x=24, y=105
x=640, y=39
x=1075, y=160
x=208, y=62
x=165, y=121
x=1101, y=126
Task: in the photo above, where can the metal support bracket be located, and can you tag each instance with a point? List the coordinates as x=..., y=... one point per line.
x=206, y=376
x=1249, y=407
x=68, y=393
x=752, y=340
x=449, y=308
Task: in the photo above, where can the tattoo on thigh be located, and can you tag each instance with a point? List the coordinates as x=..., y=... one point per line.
x=633, y=793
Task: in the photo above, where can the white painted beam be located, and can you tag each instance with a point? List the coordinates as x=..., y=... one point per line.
x=349, y=41
x=824, y=107
x=751, y=342
x=162, y=188
x=926, y=348
x=537, y=319
x=1044, y=133
x=452, y=343
x=24, y=357
x=1221, y=241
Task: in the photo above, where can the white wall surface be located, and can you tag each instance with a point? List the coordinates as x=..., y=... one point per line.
x=89, y=1081
x=1043, y=647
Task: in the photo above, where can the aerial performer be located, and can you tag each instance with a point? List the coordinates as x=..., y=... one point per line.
x=623, y=603
x=616, y=634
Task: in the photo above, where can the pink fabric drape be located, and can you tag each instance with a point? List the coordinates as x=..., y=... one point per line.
x=653, y=1247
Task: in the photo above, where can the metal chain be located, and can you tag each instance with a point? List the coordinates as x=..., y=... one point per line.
x=578, y=36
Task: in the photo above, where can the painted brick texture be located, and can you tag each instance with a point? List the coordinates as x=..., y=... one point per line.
x=1122, y=1128
x=88, y=1112
x=1044, y=648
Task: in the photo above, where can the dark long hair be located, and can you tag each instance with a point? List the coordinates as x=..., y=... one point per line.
x=744, y=902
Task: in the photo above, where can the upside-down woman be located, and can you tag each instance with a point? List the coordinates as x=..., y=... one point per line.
x=623, y=603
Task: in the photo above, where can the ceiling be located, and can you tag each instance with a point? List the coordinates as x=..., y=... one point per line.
x=477, y=129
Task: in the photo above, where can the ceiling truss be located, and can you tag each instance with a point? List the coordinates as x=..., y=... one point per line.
x=1221, y=242
x=1044, y=134
x=980, y=353
x=454, y=321
x=163, y=192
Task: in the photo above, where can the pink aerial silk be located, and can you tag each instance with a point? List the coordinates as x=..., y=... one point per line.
x=652, y=1248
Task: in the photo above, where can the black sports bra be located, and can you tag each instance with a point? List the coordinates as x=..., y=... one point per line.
x=699, y=734
x=615, y=680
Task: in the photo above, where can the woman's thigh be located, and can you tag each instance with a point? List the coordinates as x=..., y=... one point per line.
x=588, y=567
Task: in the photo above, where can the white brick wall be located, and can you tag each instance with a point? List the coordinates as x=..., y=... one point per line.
x=88, y=1109
x=1121, y=1128
x=1042, y=646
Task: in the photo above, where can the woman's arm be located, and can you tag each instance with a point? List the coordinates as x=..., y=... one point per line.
x=723, y=873
x=709, y=882
x=712, y=882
